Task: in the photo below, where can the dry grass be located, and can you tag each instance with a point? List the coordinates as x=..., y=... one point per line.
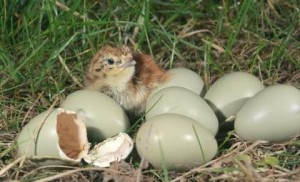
x=42, y=62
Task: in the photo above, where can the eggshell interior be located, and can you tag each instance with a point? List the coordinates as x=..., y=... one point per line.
x=72, y=136
x=110, y=150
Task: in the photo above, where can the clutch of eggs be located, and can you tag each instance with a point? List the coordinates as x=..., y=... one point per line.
x=180, y=126
x=180, y=95
x=62, y=135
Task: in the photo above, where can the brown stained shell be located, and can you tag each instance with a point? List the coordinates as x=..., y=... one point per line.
x=54, y=137
x=72, y=135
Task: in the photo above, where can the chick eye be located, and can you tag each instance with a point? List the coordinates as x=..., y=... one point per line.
x=110, y=61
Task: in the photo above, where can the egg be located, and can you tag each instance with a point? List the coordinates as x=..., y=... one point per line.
x=229, y=93
x=56, y=136
x=178, y=100
x=103, y=116
x=273, y=115
x=182, y=77
x=175, y=141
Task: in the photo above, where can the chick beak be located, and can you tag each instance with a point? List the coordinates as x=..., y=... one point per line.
x=128, y=64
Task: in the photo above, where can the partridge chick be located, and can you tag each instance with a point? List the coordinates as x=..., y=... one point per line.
x=126, y=76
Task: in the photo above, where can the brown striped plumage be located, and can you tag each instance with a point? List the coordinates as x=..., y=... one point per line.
x=125, y=76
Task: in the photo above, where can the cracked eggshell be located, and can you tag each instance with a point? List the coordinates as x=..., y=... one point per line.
x=178, y=100
x=172, y=139
x=110, y=150
x=182, y=77
x=229, y=93
x=54, y=137
x=273, y=115
x=103, y=116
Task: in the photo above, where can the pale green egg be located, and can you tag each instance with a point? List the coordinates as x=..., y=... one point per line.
x=178, y=100
x=229, y=93
x=273, y=115
x=103, y=116
x=175, y=142
x=183, y=77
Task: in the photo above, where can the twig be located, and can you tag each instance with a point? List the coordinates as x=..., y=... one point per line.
x=66, y=8
x=62, y=174
x=62, y=61
x=227, y=156
x=213, y=45
x=270, y=3
x=10, y=165
x=31, y=107
x=256, y=143
x=251, y=175
x=184, y=35
x=47, y=167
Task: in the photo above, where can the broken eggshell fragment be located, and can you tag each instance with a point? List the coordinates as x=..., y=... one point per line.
x=54, y=137
x=110, y=150
x=103, y=116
